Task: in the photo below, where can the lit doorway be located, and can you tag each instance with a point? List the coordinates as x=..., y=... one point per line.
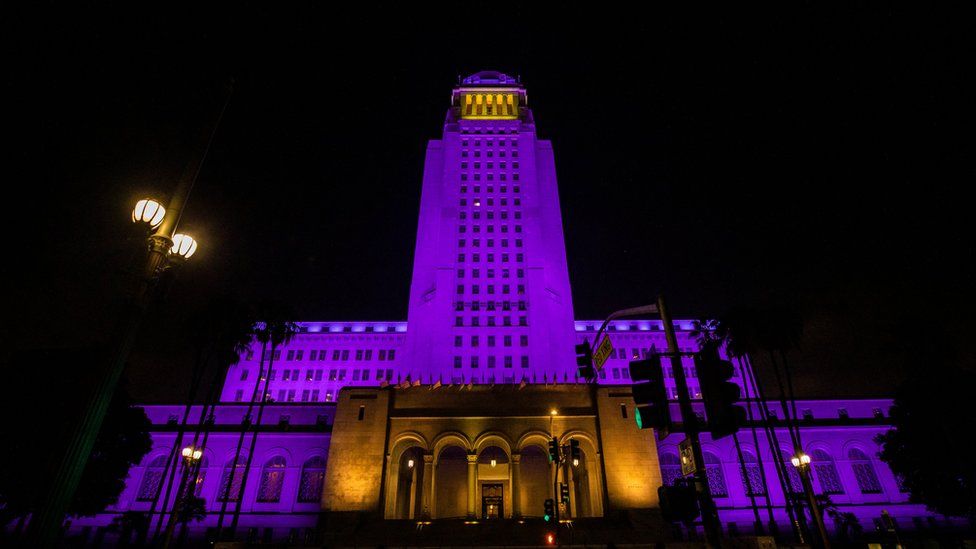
x=492, y=501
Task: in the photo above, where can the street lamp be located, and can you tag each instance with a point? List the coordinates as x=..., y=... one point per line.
x=148, y=211
x=183, y=246
x=46, y=523
x=191, y=454
x=801, y=461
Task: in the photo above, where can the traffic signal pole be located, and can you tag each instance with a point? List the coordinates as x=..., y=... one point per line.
x=713, y=528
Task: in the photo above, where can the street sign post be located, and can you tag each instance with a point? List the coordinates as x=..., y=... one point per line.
x=602, y=353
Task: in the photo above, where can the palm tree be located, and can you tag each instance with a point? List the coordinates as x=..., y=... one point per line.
x=219, y=333
x=276, y=330
x=747, y=333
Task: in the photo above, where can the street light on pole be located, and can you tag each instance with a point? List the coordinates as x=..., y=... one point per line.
x=801, y=461
x=167, y=249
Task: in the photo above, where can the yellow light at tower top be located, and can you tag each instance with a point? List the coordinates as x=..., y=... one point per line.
x=490, y=104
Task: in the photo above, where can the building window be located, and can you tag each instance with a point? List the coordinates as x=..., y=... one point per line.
x=239, y=395
x=867, y=479
x=458, y=341
x=152, y=479
x=826, y=473
x=751, y=475
x=670, y=468
x=230, y=490
x=313, y=475
x=474, y=362
x=457, y=362
x=272, y=479
x=508, y=362
x=525, y=362
x=491, y=361
x=715, y=476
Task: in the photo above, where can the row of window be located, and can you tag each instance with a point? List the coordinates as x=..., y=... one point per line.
x=490, y=289
x=490, y=257
x=491, y=166
x=490, y=214
x=489, y=142
x=490, y=201
x=335, y=374
x=271, y=481
x=489, y=243
x=337, y=354
x=489, y=154
x=491, y=361
x=475, y=321
x=476, y=229
x=489, y=305
x=489, y=177
x=822, y=464
x=490, y=273
x=490, y=340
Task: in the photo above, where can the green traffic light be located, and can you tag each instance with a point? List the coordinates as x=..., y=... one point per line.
x=546, y=518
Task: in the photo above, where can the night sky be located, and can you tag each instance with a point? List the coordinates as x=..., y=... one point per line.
x=813, y=158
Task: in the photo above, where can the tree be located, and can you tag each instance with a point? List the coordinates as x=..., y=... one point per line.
x=46, y=389
x=931, y=446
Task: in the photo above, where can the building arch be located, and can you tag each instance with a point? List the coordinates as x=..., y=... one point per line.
x=312, y=478
x=272, y=479
x=864, y=470
x=492, y=438
x=825, y=471
x=275, y=451
x=449, y=438
x=533, y=438
x=413, y=437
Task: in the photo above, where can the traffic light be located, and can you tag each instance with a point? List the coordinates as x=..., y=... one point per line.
x=553, y=450
x=549, y=512
x=650, y=396
x=550, y=538
x=679, y=503
x=563, y=492
x=584, y=360
x=718, y=393
x=574, y=451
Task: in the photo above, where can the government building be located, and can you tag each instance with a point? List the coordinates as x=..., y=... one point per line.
x=391, y=433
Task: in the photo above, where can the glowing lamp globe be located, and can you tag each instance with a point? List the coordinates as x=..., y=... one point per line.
x=183, y=246
x=148, y=211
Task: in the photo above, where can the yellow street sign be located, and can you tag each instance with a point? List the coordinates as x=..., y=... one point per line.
x=602, y=353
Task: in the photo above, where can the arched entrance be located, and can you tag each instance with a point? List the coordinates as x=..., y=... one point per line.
x=408, y=503
x=579, y=479
x=451, y=482
x=494, y=486
x=535, y=480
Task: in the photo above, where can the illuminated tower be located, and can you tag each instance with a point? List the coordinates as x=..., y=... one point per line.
x=490, y=297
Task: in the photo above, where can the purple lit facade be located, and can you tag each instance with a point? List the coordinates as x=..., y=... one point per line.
x=490, y=303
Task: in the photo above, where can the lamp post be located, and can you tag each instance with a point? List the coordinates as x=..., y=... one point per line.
x=165, y=250
x=801, y=461
x=191, y=456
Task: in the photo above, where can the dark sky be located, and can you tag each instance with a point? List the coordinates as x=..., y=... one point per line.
x=816, y=158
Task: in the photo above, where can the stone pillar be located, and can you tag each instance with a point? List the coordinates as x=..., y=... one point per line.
x=516, y=473
x=571, y=482
x=427, y=494
x=472, y=483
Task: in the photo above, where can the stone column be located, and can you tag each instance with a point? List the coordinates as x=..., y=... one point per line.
x=472, y=483
x=427, y=495
x=571, y=482
x=516, y=472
